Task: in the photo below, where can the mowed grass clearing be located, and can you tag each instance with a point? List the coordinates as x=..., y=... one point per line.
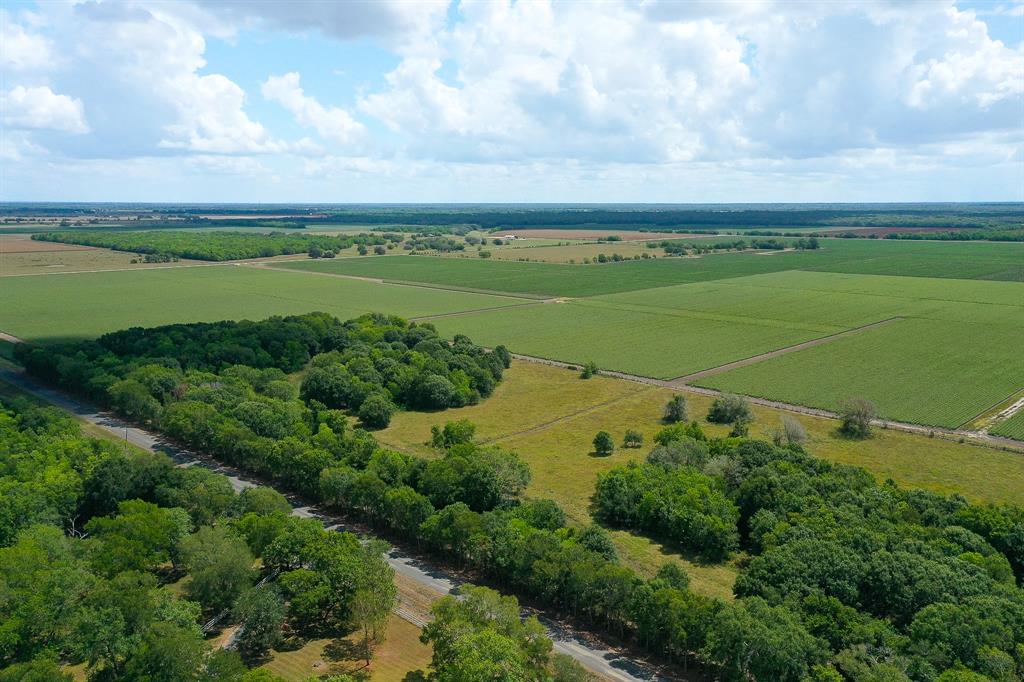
x=399, y=654
x=550, y=416
x=90, y=304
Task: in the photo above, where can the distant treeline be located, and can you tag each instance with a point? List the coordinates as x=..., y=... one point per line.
x=217, y=246
x=681, y=218
x=963, y=235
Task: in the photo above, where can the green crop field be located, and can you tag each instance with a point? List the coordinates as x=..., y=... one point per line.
x=1012, y=427
x=655, y=343
x=89, y=304
x=926, y=371
x=883, y=257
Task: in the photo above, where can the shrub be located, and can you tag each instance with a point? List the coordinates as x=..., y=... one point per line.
x=728, y=409
x=603, y=443
x=856, y=415
x=632, y=439
x=675, y=410
x=589, y=369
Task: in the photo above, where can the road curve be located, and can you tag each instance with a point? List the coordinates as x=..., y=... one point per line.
x=607, y=663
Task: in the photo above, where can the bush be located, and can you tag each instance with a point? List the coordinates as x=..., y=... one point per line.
x=675, y=410
x=603, y=443
x=589, y=369
x=856, y=415
x=632, y=439
x=791, y=432
x=728, y=409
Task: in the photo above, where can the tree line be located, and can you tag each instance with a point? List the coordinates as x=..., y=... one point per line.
x=218, y=246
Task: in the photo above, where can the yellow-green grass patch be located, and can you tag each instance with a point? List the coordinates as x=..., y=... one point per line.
x=399, y=654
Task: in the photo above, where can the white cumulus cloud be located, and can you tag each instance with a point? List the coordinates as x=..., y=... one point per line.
x=332, y=123
x=42, y=109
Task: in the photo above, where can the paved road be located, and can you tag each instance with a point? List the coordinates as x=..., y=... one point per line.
x=605, y=662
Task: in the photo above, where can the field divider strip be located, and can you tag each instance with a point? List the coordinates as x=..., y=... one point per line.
x=459, y=313
x=403, y=283
x=684, y=380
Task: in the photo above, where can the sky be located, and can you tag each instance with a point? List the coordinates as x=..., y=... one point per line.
x=529, y=101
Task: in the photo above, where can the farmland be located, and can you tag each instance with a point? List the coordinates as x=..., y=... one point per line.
x=654, y=343
x=1012, y=427
x=89, y=304
x=663, y=318
x=917, y=370
x=880, y=257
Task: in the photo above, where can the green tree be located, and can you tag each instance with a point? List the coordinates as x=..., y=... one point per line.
x=374, y=596
x=855, y=417
x=590, y=369
x=167, y=653
x=604, y=445
x=219, y=564
x=728, y=409
x=134, y=401
x=261, y=614
x=376, y=411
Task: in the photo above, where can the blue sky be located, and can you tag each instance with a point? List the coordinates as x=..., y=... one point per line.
x=435, y=101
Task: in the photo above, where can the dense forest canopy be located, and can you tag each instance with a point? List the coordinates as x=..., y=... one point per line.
x=92, y=536
x=993, y=216
x=371, y=366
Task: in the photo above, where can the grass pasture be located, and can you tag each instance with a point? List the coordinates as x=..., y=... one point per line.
x=86, y=305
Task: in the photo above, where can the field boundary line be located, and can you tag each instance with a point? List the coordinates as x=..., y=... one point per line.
x=405, y=283
x=978, y=438
x=683, y=380
x=459, y=313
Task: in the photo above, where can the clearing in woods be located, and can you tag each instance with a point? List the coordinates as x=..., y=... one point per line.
x=554, y=436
